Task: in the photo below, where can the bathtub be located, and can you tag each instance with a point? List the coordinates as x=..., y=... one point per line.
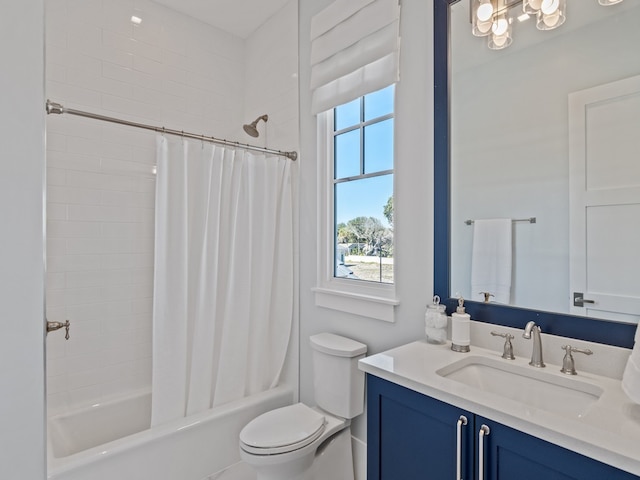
x=113, y=440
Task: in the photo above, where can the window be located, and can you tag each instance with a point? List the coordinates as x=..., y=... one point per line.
x=362, y=187
x=355, y=182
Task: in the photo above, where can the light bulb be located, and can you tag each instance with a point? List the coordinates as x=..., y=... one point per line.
x=500, y=26
x=531, y=6
x=555, y=17
x=551, y=20
x=485, y=11
x=549, y=6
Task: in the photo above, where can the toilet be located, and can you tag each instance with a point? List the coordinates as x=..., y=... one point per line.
x=299, y=442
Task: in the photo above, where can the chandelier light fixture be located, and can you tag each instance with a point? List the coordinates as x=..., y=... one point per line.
x=492, y=19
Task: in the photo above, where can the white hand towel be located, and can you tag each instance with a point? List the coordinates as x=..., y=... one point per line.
x=491, y=259
x=631, y=375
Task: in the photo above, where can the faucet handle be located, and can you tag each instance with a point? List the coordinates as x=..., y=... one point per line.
x=507, y=352
x=568, y=364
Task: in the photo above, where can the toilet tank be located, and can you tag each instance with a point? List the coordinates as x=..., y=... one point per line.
x=337, y=382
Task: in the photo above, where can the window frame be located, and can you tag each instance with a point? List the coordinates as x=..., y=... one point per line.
x=375, y=300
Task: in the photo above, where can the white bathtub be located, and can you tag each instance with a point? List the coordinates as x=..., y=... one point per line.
x=113, y=441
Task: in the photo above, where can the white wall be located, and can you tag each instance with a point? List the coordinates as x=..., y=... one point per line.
x=171, y=70
x=22, y=446
x=413, y=198
x=271, y=87
x=510, y=148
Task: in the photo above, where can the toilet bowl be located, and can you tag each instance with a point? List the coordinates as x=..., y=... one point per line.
x=299, y=442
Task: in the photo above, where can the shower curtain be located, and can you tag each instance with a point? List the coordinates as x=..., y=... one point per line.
x=223, y=280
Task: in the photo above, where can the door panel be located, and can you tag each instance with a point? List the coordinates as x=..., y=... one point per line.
x=604, y=131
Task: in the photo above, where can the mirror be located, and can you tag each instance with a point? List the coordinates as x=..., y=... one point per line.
x=504, y=164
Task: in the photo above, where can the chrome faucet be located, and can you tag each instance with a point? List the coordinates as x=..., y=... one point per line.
x=536, y=354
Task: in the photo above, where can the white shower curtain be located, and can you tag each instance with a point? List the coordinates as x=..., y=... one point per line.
x=223, y=281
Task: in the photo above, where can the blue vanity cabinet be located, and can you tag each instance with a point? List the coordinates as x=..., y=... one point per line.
x=414, y=437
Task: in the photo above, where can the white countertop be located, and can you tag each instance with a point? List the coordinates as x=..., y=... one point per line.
x=609, y=431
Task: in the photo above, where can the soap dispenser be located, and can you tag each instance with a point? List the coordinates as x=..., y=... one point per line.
x=460, y=329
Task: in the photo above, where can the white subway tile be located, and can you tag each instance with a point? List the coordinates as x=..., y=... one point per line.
x=86, y=279
x=84, y=379
x=101, y=213
x=57, y=384
x=55, y=280
x=56, y=142
x=133, y=137
x=117, y=324
x=56, y=246
x=147, y=65
x=56, y=211
x=76, y=263
x=144, y=305
x=147, y=50
x=84, y=10
x=73, y=195
x=84, y=38
x=83, y=344
x=148, y=81
x=73, y=229
x=73, y=161
x=101, y=181
x=88, y=311
x=84, y=295
x=85, y=396
x=116, y=151
x=57, y=403
x=80, y=61
x=131, y=107
x=56, y=72
x=127, y=260
x=118, y=41
x=55, y=297
x=119, y=167
x=117, y=72
x=82, y=363
x=117, y=57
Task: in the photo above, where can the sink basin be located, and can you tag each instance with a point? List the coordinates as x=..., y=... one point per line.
x=530, y=386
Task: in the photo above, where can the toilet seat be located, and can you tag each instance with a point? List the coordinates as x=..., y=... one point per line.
x=282, y=430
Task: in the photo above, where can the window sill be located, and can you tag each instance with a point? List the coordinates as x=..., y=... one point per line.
x=370, y=306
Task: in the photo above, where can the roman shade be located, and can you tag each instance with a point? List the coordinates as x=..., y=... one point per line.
x=354, y=50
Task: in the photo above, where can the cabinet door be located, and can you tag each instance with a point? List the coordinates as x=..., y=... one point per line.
x=510, y=454
x=412, y=436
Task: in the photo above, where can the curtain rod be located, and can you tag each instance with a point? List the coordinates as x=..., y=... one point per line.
x=53, y=107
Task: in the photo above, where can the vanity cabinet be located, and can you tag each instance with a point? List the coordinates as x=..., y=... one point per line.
x=415, y=437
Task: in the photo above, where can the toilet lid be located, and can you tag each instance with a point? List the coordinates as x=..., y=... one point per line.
x=283, y=427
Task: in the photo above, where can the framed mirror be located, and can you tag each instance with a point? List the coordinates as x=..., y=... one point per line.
x=507, y=129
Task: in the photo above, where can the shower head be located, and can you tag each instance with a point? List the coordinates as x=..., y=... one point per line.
x=251, y=129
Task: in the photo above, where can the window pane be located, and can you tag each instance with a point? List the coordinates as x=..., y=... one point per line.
x=364, y=234
x=347, y=154
x=347, y=115
x=378, y=103
x=378, y=146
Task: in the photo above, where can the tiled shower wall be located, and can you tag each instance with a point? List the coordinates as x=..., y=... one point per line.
x=170, y=70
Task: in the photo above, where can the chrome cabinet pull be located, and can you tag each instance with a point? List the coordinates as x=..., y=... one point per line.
x=483, y=432
x=461, y=421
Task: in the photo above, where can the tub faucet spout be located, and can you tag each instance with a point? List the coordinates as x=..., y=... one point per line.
x=531, y=330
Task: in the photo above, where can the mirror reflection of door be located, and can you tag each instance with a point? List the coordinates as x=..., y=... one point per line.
x=604, y=129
